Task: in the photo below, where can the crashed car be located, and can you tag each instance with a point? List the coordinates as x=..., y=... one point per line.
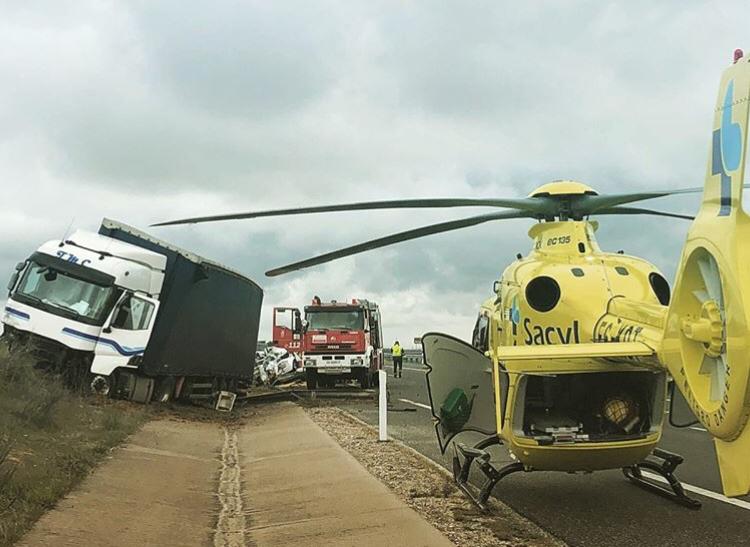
x=277, y=366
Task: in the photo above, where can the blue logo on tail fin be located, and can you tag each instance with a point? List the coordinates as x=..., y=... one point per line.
x=726, y=150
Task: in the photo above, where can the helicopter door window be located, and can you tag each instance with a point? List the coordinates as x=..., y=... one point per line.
x=480, y=335
x=660, y=286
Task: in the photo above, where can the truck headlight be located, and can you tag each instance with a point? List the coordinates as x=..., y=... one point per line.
x=357, y=361
x=309, y=362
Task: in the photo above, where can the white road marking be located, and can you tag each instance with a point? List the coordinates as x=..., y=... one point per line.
x=702, y=491
x=420, y=405
x=699, y=429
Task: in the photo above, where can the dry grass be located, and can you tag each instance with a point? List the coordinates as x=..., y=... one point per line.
x=49, y=439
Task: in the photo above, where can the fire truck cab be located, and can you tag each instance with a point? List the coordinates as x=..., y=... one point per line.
x=340, y=341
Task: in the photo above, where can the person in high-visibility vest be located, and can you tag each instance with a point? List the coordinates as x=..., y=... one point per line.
x=398, y=359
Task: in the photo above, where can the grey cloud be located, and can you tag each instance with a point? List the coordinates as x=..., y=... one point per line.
x=268, y=59
x=157, y=111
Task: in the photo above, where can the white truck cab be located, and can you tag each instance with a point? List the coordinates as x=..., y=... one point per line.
x=89, y=293
x=134, y=317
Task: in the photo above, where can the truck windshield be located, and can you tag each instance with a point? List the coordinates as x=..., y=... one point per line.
x=335, y=320
x=62, y=293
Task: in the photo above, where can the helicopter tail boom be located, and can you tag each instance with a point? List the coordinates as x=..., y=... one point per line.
x=707, y=335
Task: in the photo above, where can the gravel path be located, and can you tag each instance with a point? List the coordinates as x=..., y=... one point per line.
x=428, y=489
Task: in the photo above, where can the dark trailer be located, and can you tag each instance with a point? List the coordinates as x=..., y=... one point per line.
x=208, y=318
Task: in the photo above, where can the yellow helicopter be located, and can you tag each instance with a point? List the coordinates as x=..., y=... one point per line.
x=571, y=356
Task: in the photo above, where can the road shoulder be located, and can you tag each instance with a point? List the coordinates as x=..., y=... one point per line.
x=428, y=489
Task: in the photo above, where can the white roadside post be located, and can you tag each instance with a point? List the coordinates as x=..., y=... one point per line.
x=382, y=407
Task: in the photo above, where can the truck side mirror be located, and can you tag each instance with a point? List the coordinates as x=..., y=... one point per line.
x=14, y=276
x=13, y=280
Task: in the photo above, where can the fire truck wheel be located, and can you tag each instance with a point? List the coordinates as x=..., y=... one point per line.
x=364, y=379
x=312, y=378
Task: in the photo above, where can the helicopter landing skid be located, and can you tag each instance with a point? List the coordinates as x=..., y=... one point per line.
x=673, y=490
x=482, y=457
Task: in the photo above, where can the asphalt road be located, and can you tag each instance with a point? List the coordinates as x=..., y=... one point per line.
x=598, y=509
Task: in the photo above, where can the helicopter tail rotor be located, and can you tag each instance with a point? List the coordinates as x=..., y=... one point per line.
x=706, y=344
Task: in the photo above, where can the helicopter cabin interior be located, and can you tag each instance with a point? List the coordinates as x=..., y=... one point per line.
x=589, y=407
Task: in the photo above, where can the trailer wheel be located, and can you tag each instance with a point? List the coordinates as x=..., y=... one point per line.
x=311, y=376
x=164, y=390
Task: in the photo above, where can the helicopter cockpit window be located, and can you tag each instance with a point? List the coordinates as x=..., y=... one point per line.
x=622, y=270
x=578, y=272
x=480, y=336
x=660, y=286
x=542, y=293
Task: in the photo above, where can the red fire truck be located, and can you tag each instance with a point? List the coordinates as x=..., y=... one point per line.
x=338, y=340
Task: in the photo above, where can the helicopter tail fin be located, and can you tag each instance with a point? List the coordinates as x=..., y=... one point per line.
x=706, y=344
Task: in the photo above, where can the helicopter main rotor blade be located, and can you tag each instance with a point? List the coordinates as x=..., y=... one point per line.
x=397, y=238
x=587, y=205
x=524, y=204
x=639, y=211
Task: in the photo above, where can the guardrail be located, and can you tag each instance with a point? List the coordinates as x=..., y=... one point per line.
x=410, y=356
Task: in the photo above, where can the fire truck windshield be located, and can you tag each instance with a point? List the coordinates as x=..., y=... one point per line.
x=335, y=319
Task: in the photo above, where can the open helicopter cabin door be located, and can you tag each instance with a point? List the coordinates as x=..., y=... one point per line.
x=459, y=383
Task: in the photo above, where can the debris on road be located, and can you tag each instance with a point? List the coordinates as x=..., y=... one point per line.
x=428, y=489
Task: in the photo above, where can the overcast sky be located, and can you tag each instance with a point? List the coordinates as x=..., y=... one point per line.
x=149, y=111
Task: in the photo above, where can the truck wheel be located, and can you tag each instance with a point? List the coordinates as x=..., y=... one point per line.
x=312, y=378
x=164, y=390
x=364, y=379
